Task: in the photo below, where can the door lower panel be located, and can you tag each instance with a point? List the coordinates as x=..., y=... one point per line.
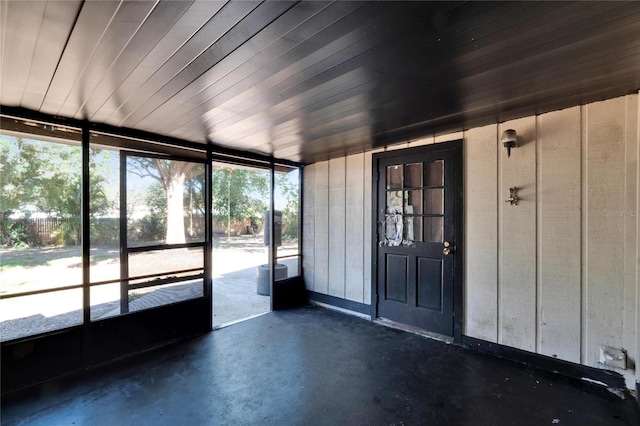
x=429, y=283
x=397, y=278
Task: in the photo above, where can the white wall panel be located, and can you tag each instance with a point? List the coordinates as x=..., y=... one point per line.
x=631, y=255
x=354, y=212
x=321, y=219
x=481, y=233
x=368, y=179
x=337, y=226
x=604, y=239
x=517, y=239
x=636, y=122
x=308, y=225
x=559, y=227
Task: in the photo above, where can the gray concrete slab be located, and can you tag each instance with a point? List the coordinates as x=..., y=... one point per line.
x=317, y=367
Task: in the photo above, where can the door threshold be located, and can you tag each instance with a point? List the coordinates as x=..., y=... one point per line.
x=229, y=323
x=415, y=330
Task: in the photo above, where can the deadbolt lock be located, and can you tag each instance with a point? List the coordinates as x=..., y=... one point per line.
x=447, y=244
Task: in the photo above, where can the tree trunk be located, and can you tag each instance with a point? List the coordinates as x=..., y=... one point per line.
x=175, y=209
x=173, y=176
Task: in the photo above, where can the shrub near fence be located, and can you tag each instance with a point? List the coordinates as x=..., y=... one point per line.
x=105, y=231
x=35, y=232
x=40, y=231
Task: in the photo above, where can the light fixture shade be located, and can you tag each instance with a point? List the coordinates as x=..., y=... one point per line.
x=509, y=140
x=509, y=136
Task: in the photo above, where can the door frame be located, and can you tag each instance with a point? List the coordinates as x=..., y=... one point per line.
x=456, y=146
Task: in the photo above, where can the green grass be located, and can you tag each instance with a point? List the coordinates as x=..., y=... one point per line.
x=27, y=262
x=22, y=262
x=32, y=260
x=96, y=257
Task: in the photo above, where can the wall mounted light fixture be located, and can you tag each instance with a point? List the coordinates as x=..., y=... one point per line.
x=509, y=140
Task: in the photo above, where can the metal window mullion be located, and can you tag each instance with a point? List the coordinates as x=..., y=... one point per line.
x=207, y=289
x=235, y=161
x=272, y=246
x=159, y=247
x=161, y=274
x=300, y=218
x=163, y=156
x=124, y=254
x=42, y=291
x=164, y=281
x=85, y=226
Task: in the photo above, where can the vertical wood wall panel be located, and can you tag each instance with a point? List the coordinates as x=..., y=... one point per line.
x=637, y=212
x=337, y=182
x=308, y=226
x=583, y=233
x=368, y=181
x=481, y=233
x=559, y=220
x=517, y=239
x=605, y=228
x=631, y=256
x=354, y=256
x=321, y=249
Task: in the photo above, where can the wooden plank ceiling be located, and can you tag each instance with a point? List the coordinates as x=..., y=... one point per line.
x=306, y=81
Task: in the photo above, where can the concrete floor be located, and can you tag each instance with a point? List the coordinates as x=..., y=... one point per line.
x=318, y=367
x=235, y=295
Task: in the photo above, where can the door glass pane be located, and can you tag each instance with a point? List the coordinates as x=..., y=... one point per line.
x=394, y=202
x=413, y=175
x=287, y=201
x=434, y=229
x=394, y=177
x=434, y=173
x=413, y=228
x=413, y=202
x=434, y=201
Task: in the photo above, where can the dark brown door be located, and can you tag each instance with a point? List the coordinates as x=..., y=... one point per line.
x=418, y=210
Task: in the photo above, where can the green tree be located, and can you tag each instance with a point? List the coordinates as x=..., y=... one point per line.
x=239, y=194
x=48, y=176
x=19, y=171
x=287, y=185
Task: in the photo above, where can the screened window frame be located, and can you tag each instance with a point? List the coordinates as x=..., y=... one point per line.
x=145, y=144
